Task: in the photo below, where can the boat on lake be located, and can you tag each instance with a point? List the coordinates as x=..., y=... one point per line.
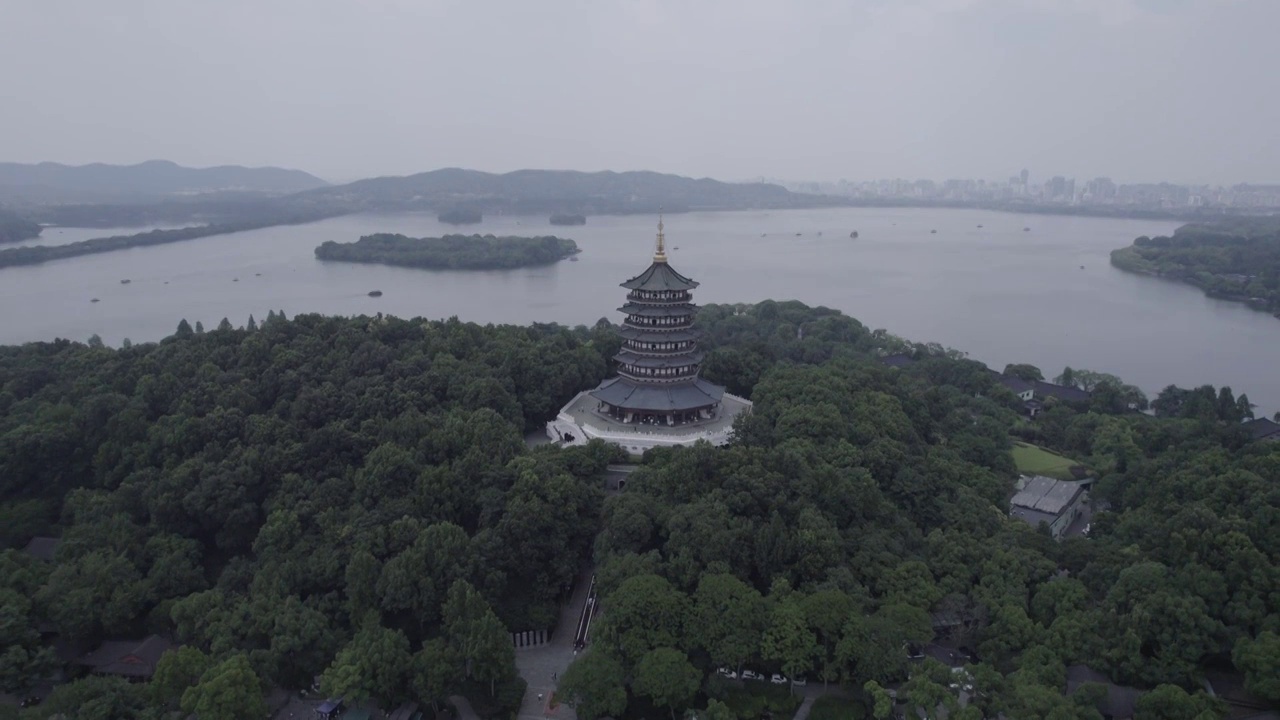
x=375, y=293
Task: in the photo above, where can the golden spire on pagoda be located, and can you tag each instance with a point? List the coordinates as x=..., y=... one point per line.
x=661, y=254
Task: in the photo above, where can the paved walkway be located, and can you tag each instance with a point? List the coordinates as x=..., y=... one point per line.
x=465, y=711
x=813, y=691
x=539, y=665
x=802, y=712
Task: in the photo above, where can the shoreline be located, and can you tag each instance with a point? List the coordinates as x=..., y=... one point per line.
x=1134, y=265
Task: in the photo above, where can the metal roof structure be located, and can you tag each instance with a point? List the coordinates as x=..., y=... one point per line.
x=1046, y=495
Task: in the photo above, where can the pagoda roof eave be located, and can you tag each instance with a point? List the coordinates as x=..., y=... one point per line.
x=628, y=357
x=628, y=394
x=643, y=310
x=660, y=276
x=627, y=332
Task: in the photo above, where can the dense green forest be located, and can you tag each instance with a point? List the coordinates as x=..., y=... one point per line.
x=14, y=228
x=1236, y=259
x=451, y=252
x=299, y=496
x=353, y=498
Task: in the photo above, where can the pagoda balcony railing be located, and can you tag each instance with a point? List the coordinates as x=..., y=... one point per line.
x=661, y=352
x=642, y=348
x=633, y=323
x=635, y=374
x=676, y=300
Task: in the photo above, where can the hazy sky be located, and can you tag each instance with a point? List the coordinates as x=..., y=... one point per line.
x=1183, y=90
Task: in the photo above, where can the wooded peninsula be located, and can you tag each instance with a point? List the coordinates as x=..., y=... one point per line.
x=451, y=252
x=1236, y=259
x=15, y=229
x=35, y=254
x=352, y=498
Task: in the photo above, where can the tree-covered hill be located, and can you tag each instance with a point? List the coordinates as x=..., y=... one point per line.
x=536, y=191
x=450, y=252
x=262, y=492
x=55, y=182
x=1236, y=259
x=14, y=228
x=352, y=498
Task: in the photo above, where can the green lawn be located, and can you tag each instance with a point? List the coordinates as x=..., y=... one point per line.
x=830, y=707
x=1033, y=460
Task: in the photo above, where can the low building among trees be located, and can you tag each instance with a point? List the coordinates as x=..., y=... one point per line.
x=131, y=659
x=42, y=548
x=1056, y=503
x=1263, y=429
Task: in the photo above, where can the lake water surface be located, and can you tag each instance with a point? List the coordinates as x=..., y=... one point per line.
x=1047, y=296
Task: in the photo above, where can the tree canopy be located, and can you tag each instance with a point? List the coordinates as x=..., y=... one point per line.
x=1237, y=259
x=450, y=252
x=352, y=498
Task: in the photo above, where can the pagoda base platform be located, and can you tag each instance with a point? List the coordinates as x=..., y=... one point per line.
x=579, y=423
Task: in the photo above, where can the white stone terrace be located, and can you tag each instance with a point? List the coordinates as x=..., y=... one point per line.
x=580, y=420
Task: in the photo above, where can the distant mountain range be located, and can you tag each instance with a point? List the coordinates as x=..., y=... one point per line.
x=49, y=182
x=162, y=192
x=536, y=191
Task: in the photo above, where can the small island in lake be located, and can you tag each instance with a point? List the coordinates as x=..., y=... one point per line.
x=451, y=252
x=567, y=219
x=1236, y=259
x=460, y=216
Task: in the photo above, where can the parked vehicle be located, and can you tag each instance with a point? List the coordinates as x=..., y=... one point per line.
x=800, y=682
x=778, y=679
x=727, y=673
x=751, y=675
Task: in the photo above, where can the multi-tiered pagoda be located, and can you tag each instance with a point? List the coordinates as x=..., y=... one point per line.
x=657, y=382
x=657, y=397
